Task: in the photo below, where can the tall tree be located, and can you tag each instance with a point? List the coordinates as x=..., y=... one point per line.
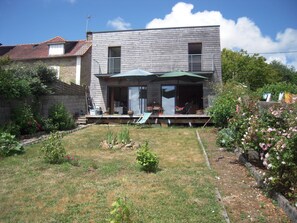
x=251, y=70
x=285, y=73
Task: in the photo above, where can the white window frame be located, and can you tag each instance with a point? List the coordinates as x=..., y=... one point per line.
x=56, y=49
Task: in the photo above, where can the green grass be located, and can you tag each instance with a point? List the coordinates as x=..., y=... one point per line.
x=181, y=191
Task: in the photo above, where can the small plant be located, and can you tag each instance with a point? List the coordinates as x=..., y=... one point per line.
x=226, y=138
x=149, y=161
x=124, y=136
x=120, y=211
x=9, y=145
x=73, y=160
x=53, y=149
x=111, y=139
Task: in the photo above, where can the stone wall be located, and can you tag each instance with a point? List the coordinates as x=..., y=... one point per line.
x=67, y=66
x=75, y=104
x=72, y=96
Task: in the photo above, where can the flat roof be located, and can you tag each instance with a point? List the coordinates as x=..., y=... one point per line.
x=132, y=30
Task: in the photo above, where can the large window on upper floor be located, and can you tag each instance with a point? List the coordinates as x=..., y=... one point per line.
x=114, y=60
x=195, y=55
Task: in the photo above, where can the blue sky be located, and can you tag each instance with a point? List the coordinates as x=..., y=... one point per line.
x=254, y=25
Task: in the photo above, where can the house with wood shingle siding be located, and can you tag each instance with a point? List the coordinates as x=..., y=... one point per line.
x=70, y=59
x=191, y=49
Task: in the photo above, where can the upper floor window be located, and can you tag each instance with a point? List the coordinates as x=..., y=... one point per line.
x=56, y=49
x=114, y=60
x=195, y=54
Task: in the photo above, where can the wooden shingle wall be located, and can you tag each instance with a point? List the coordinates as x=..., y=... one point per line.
x=154, y=50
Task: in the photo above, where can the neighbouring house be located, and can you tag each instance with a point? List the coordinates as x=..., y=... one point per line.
x=70, y=59
x=159, y=51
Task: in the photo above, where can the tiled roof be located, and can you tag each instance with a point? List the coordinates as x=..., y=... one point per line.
x=41, y=50
x=57, y=39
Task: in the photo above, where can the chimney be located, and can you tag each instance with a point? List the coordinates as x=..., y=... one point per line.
x=89, y=36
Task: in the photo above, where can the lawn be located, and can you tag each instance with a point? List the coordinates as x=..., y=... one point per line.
x=181, y=191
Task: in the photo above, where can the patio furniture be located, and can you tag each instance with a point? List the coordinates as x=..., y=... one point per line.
x=142, y=120
x=185, y=109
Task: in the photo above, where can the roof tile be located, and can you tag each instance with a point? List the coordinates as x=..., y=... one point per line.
x=41, y=50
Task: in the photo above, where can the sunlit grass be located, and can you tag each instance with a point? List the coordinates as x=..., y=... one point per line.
x=181, y=191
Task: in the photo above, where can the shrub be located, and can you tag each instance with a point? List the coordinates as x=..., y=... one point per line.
x=238, y=125
x=9, y=145
x=12, y=128
x=149, y=161
x=53, y=149
x=281, y=155
x=49, y=126
x=22, y=80
x=120, y=211
x=277, y=88
x=274, y=135
x=24, y=118
x=224, y=106
x=282, y=164
x=226, y=138
x=60, y=117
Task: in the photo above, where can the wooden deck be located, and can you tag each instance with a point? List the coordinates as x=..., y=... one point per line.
x=179, y=119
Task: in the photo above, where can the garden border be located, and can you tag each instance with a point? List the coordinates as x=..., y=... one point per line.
x=45, y=136
x=218, y=194
x=290, y=210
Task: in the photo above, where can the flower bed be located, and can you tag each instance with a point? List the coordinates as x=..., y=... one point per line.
x=271, y=134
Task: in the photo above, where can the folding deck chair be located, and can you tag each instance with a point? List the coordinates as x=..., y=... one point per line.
x=142, y=119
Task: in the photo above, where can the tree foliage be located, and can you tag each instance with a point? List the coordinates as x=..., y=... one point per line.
x=286, y=74
x=253, y=70
x=22, y=80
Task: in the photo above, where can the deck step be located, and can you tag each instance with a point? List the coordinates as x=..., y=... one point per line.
x=82, y=120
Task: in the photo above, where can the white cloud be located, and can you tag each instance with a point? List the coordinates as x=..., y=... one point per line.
x=119, y=24
x=240, y=34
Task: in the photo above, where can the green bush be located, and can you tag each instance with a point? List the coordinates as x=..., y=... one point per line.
x=148, y=160
x=11, y=128
x=60, y=117
x=22, y=80
x=120, y=211
x=224, y=106
x=226, y=138
x=49, y=126
x=9, y=145
x=277, y=88
x=53, y=149
x=24, y=118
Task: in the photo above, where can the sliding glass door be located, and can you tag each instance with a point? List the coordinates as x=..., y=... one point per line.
x=168, y=99
x=137, y=99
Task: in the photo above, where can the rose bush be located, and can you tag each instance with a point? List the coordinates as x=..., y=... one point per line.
x=273, y=133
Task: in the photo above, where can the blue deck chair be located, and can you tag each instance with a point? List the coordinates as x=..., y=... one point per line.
x=142, y=120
